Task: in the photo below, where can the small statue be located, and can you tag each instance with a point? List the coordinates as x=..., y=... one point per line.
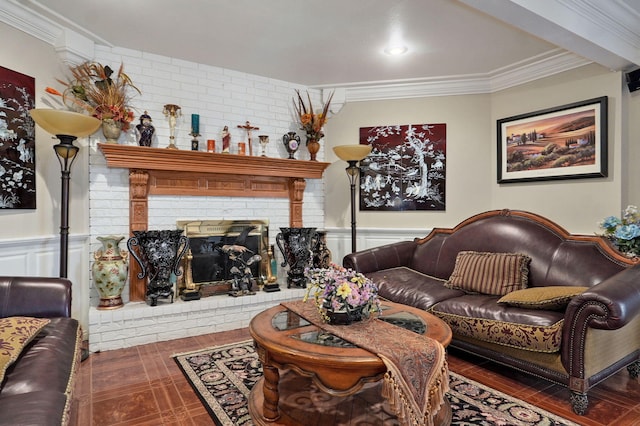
x=145, y=130
x=226, y=140
x=241, y=276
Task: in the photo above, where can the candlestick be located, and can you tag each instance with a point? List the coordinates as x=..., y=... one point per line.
x=195, y=123
x=172, y=112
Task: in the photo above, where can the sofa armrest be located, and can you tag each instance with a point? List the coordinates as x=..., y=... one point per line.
x=609, y=305
x=379, y=258
x=42, y=297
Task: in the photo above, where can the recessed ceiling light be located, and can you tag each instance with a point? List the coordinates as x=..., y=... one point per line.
x=396, y=50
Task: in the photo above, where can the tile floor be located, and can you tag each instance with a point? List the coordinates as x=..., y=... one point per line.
x=142, y=385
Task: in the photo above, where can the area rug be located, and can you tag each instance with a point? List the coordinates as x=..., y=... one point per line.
x=223, y=377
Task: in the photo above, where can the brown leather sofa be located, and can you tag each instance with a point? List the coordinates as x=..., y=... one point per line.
x=37, y=388
x=598, y=332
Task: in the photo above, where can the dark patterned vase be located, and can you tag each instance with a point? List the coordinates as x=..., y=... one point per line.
x=159, y=256
x=297, y=245
x=291, y=142
x=321, y=253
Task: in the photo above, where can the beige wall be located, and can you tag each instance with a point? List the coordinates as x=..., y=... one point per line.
x=468, y=170
x=37, y=59
x=576, y=205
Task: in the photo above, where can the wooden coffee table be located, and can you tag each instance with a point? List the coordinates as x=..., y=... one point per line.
x=288, y=343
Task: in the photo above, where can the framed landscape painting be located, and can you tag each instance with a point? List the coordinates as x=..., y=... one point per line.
x=17, y=141
x=566, y=142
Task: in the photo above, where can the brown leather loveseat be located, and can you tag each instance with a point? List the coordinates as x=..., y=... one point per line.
x=576, y=337
x=37, y=386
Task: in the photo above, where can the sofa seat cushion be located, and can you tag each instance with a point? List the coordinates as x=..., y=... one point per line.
x=48, y=363
x=482, y=317
x=409, y=287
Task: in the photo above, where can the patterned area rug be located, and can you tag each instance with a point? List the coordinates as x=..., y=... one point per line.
x=223, y=377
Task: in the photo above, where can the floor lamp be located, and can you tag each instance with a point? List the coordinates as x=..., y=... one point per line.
x=352, y=154
x=67, y=126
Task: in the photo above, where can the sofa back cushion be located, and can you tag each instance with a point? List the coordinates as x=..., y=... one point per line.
x=489, y=273
x=557, y=257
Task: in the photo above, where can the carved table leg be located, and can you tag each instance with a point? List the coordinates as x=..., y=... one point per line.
x=271, y=394
x=579, y=402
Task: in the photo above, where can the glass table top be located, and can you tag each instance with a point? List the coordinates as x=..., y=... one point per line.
x=288, y=320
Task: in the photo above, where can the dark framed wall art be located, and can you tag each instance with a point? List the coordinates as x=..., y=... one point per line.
x=565, y=142
x=17, y=141
x=406, y=169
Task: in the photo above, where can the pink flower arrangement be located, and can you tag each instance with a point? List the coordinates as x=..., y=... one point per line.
x=341, y=289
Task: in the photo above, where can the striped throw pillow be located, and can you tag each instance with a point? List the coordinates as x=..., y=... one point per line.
x=489, y=273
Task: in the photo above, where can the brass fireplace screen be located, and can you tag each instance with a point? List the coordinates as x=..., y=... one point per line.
x=210, y=267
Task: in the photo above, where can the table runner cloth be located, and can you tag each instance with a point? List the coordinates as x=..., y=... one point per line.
x=417, y=376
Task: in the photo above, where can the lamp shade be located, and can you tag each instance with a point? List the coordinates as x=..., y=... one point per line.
x=58, y=122
x=352, y=152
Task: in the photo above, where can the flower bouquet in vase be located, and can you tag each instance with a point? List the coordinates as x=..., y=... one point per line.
x=311, y=121
x=342, y=295
x=624, y=231
x=97, y=90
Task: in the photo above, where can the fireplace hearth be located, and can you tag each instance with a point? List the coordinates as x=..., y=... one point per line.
x=211, y=265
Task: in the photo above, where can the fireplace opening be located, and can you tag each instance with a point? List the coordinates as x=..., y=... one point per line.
x=210, y=241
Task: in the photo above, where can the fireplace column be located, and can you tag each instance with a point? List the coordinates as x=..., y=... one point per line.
x=138, y=221
x=296, y=194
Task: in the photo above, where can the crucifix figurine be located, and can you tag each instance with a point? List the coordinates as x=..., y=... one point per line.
x=248, y=127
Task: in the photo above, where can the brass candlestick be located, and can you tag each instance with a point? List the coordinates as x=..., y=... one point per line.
x=172, y=112
x=190, y=291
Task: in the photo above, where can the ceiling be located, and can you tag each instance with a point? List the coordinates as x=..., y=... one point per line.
x=333, y=43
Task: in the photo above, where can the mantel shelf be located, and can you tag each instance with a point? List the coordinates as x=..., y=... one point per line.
x=145, y=158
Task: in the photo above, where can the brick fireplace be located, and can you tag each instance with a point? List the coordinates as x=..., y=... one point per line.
x=158, y=179
x=179, y=172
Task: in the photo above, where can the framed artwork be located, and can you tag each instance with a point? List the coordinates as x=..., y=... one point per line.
x=406, y=168
x=566, y=142
x=17, y=141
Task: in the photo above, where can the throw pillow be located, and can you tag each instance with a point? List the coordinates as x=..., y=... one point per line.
x=552, y=297
x=489, y=273
x=15, y=334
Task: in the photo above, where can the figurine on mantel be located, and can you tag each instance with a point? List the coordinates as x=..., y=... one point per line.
x=226, y=140
x=145, y=130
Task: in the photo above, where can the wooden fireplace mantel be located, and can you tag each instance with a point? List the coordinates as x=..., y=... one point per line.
x=162, y=171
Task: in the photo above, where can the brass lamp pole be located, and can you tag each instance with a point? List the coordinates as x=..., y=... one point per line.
x=352, y=154
x=67, y=126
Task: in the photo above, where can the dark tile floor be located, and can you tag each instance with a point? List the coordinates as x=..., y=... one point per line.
x=142, y=385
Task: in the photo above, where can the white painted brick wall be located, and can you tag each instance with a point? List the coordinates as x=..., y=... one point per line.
x=221, y=97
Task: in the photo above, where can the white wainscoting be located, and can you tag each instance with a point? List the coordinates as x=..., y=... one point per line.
x=39, y=256
x=339, y=239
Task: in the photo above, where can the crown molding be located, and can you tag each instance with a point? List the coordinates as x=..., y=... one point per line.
x=71, y=47
x=541, y=66
x=25, y=20
x=535, y=68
